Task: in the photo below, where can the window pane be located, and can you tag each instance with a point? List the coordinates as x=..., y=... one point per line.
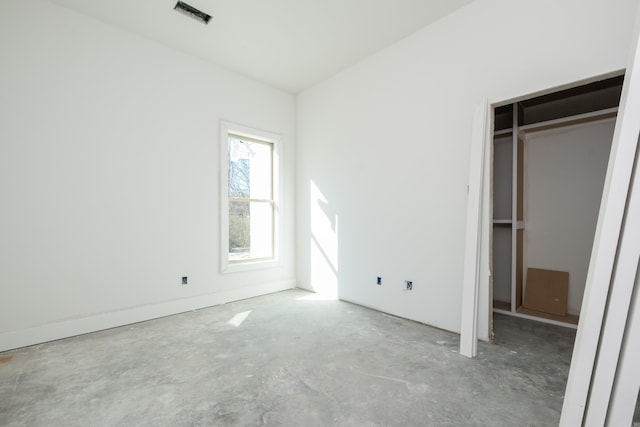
x=239, y=178
x=261, y=233
x=239, y=231
x=250, y=230
x=260, y=171
x=250, y=169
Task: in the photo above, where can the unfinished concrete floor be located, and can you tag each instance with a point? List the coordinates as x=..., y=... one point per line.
x=287, y=359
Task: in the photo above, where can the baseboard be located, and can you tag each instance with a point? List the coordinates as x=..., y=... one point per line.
x=78, y=326
x=400, y=316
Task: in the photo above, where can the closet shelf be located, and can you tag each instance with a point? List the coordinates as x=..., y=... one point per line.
x=570, y=120
x=519, y=224
x=503, y=132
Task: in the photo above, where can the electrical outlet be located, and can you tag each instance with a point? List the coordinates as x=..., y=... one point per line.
x=379, y=281
x=184, y=280
x=408, y=285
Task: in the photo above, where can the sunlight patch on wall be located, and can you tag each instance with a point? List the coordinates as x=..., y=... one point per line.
x=324, y=245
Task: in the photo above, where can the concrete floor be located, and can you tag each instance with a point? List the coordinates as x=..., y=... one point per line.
x=292, y=361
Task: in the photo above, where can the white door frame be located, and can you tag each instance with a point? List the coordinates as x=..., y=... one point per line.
x=475, y=213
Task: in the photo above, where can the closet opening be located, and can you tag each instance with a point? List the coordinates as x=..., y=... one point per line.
x=549, y=157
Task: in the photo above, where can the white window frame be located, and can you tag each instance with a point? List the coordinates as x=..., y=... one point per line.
x=227, y=128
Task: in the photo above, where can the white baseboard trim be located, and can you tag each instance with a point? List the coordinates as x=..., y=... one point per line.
x=83, y=325
x=401, y=316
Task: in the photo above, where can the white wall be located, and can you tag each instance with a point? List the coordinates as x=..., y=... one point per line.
x=564, y=176
x=386, y=144
x=109, y=172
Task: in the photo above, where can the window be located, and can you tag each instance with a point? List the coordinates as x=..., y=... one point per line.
x=250, y=205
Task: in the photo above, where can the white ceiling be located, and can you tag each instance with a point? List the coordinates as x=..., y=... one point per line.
x=289, y=44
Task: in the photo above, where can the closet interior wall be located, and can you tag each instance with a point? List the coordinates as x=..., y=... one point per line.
x=549, y=162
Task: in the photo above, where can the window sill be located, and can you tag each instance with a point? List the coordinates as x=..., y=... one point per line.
x=250, y=265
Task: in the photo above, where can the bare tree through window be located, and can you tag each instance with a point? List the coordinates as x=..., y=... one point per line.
x=239, y=193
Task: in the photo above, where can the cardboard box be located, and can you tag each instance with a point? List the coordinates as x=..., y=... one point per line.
x=547, y=291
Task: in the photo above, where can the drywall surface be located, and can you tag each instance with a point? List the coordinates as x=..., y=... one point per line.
x=502, y=177
x=502, y=263
x=502, y=206
x=382, y=154
x=564, y=176
x=109, y=175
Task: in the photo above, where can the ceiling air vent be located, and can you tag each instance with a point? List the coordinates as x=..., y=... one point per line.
x=192, y=12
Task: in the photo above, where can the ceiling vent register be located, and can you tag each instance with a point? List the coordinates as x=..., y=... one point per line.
x=192, y=12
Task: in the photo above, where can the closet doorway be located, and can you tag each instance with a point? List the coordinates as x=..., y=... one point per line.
x=549, y=157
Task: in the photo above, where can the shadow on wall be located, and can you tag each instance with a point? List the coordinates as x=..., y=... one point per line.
x=323, y=245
